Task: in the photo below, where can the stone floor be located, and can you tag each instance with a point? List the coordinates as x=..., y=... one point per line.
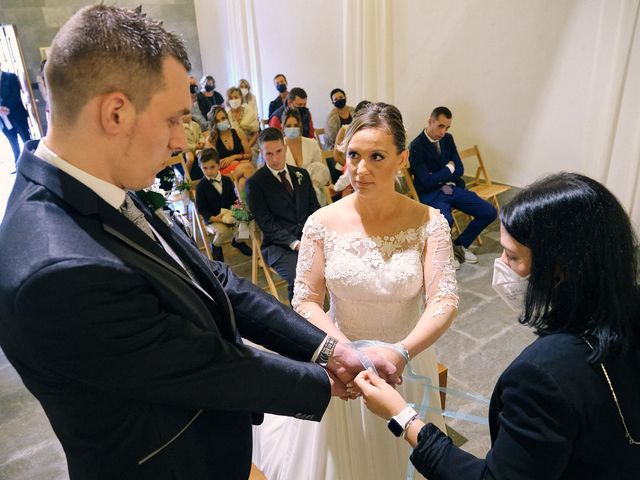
x=482, y=341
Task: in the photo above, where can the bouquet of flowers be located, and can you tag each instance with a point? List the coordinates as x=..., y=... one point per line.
x=243, y=216
x=240, y=210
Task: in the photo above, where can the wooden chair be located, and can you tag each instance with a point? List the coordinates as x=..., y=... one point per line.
x=319, y=134
x=256, y=474
x=443, y=373
x=258, y=263
x=408, y=177
x=481, y=184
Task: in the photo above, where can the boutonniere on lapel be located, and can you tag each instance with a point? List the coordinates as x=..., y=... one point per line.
x=155, y=198
x=299, y=178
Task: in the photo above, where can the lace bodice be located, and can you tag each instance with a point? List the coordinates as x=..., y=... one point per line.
x=379, y=286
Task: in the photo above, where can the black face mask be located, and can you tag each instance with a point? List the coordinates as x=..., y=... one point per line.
x=281, y=87
x=209, y=88
x=302, y=110
x=340, y=103
x=193, y=89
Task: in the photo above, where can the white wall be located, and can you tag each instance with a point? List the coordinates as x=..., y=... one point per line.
x=519, y=75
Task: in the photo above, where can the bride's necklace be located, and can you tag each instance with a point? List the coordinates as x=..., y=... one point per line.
x=631, y=440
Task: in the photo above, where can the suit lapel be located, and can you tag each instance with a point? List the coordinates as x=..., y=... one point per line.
x=86, y=202
x=188, y=254
x=297, y=190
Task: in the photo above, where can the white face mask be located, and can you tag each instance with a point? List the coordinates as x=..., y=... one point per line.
x=244, y=91
x=235, y=103
x=511, y=287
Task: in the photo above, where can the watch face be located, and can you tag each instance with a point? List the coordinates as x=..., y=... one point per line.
x=395, y=427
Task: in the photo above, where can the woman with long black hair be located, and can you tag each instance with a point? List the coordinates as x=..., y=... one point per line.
x=568, y=407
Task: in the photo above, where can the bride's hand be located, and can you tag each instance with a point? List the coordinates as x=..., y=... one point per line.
x=392, y=356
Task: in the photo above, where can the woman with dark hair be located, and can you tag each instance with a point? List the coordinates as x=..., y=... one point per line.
x=386, y=262
x=568, y=405
x=232, y=147
x=339, y=116
x=305, y=153
x=208, y=97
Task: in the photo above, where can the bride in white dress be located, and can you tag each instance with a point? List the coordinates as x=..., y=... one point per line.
x=386, y=262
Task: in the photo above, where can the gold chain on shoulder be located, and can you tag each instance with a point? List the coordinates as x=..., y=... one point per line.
x=631, y=440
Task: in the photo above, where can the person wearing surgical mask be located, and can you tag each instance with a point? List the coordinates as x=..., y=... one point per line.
x=208, y=97
x=281, y=84
x=304, y=152
x=248, y=98
x=296, y=100
x=196, y=114
x=339, y=115
x=567, y=407
x=243, y=117
x=232, y=147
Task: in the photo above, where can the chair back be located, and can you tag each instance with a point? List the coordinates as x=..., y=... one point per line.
x=319, y=134
x=481, y=183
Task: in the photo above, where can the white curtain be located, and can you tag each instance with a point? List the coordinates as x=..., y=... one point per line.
x=244, y=52
x=367, y=49
x=612, y=134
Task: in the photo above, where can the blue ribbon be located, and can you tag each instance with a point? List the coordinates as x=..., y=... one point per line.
x=411, y=375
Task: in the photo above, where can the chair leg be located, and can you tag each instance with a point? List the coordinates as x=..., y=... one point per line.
x=443, y=372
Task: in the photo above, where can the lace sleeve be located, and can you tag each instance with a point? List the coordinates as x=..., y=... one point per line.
x=309, y=285
x=441, y=289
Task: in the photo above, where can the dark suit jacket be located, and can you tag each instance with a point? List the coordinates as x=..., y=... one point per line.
x=280, y=218
x=10, y=97
x=552, y=416
x=274, y=105
x=429, y=168
x=141, y=371
x=209, y=201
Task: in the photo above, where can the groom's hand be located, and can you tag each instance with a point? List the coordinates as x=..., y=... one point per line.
x=345, y=364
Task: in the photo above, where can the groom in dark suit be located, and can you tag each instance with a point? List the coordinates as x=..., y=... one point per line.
x=13, y=115
x=281, y=198
x=126, y=335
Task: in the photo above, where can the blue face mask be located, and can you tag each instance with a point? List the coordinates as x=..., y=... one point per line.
x=282, y=87
x=292, y=132
x=223, y=126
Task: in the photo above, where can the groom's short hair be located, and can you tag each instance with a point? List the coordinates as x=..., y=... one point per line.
x=103, y=49
x=270, y=134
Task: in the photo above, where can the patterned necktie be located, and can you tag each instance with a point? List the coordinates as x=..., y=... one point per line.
x=132, y=212
x=285, y=183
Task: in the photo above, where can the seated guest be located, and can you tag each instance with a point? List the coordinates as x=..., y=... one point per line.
x=567, y=407
x=244, y=118
x=304, y=152
x=196, y=114
x=195, y=141
x=213, y=193
x=342, y=185
x=339, y=116
x=208, y=97
x=296, y=100
x=248, y=98
x=232, y=146
x=280, y=82
x=281, y=197
x=437, y=171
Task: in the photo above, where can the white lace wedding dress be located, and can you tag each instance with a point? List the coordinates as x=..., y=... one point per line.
x=379, y=288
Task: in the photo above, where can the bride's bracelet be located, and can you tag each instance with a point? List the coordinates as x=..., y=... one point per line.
x=406, y=355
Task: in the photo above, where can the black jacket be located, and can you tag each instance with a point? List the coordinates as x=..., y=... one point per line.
x=140, y=370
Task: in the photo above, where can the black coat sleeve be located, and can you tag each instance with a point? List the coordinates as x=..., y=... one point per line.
x=108, y=328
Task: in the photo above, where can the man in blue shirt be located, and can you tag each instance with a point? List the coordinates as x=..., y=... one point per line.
x=438, y=171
